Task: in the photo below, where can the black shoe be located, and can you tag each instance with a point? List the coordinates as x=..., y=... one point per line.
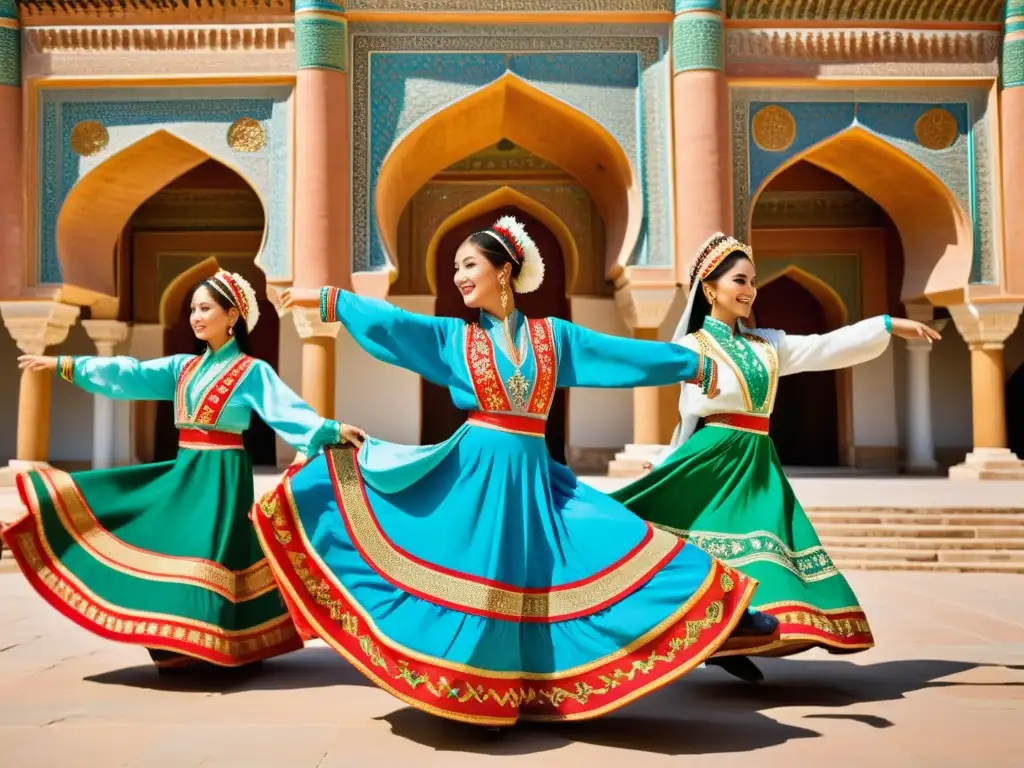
x=738, y=666
x=756, y=624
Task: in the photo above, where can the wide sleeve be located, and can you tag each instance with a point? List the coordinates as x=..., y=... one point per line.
x=391, y=334
x=842, y=348
x=287, y=413
x=590, y=359
x=123, y=378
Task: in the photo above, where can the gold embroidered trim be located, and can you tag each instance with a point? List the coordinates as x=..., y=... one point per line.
x=79, y=521
x=349, y=621
x=231, y=643
x=772, y=356
x=469, y=595
x=710, y=348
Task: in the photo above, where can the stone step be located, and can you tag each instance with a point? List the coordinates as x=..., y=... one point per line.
x=956, y=566
x=886, y=543
x=874, y=532
x=882, y=516
x=840, y=554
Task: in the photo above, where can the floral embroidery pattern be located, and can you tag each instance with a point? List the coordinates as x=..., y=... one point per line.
x=811, y=564
x=547, y=366
x=490, y=392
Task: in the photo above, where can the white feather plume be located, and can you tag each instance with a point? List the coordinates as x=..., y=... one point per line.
x=531, y=271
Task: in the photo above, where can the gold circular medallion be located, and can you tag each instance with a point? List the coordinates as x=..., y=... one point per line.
x=936, y=129
x=774, y=128
x=247, y=135
x=88, y=137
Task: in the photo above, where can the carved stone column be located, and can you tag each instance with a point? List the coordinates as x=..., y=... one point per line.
x=323, y=187
x=985, y=328
x=644, y=309
x=106, y=335
x=701, y=136
x=35, y=326
x=12, y=190
x=319, y=342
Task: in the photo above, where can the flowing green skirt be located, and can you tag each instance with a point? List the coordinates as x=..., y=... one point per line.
x=725, y=491
x=160, y=555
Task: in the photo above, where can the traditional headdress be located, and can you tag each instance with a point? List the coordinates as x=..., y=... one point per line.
x=714, y=251
x=523, y=252
x=237, y=290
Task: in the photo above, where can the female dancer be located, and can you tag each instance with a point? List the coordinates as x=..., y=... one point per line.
x=477, y=579
x=163, y=555
x=722, y=487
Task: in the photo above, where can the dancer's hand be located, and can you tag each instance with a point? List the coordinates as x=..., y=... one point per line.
x=354, y=435
x=911, y=329
x=292, y=298
x=37, y=363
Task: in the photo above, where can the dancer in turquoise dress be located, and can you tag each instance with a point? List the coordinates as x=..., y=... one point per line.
x=478, y=579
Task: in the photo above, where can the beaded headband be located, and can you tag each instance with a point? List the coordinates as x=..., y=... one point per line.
x=713, y=253
x=237, y=290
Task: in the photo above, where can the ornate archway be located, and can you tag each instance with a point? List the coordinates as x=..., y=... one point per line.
x=510, y=108
x=938, y=241
x=812, y=421
x=506, y=197
x=98, y=207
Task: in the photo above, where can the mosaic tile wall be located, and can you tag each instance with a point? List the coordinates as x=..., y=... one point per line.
x=964, y=166
x=200, y=116
x=617, y=75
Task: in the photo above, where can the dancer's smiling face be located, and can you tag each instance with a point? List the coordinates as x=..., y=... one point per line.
x=733, y=286
x=210, y=318
x=478, y=278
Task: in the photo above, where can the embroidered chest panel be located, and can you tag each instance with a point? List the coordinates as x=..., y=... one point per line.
x=211, y=401
x=515, y=395
x=745, y=354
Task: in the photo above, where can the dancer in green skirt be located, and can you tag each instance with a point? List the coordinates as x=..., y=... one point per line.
x=720, y=484
x=163, y=555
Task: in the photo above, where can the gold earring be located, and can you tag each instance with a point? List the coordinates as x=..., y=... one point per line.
x=504, y=293
x=231, y=330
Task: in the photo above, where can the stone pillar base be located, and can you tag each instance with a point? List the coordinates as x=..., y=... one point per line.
x=989, y=464
x=15, y=468
x=630, y=461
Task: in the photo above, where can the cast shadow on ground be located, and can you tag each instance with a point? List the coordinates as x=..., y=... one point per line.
x=316, y=667
x=709, y=712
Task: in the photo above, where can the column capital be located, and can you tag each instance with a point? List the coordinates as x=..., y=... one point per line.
x=309, y=325
x=37, y=325
x=321, y=35
x=106, y=334
x=697, y=36
x=10, y=44
x=986, y=326
x=644, y=307
x=1013, y=44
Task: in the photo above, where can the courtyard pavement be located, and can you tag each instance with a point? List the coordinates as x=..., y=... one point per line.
x=944, y=689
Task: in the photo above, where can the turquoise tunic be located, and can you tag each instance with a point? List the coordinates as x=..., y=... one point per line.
x=163, y=555
x=478, y=579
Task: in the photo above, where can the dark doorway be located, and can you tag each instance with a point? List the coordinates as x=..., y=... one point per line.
x=1015, y=411
x=440, y=417
x=804, y=423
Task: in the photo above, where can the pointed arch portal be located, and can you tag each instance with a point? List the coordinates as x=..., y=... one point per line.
x=510, y=108
x=938, y=241
x=98, y=207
